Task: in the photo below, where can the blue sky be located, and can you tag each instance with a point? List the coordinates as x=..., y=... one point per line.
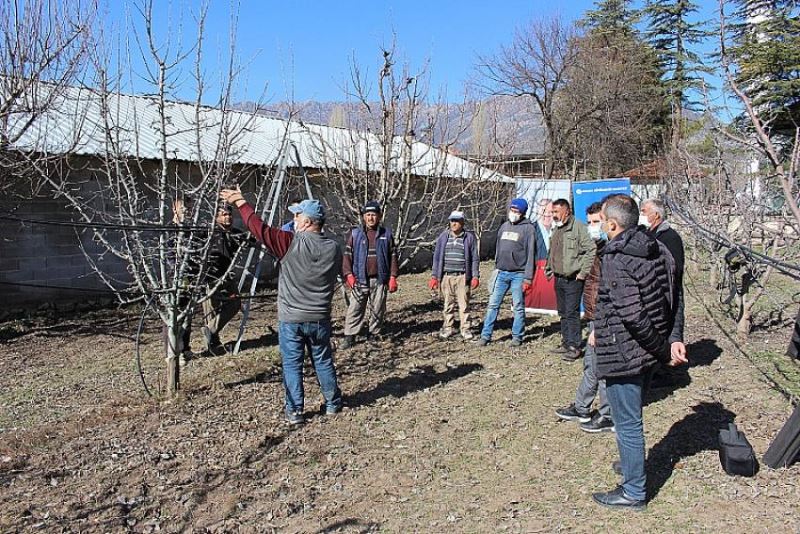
x=302, y=48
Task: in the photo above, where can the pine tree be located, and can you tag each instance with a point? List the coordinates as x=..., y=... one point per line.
x=611, y=16
x=766, y=54
x=672, y=34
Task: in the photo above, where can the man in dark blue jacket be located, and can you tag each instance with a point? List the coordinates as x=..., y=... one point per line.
x=369, y=267
x=633, y=321
x=456, y=273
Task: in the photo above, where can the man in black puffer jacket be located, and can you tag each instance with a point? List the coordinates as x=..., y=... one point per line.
x=633, y=321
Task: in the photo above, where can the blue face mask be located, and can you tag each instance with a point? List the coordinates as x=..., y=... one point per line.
x=596, y=232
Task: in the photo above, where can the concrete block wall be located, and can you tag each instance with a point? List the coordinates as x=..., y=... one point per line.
x=47, y=255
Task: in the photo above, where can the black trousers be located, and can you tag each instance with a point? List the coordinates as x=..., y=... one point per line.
x=568, y=300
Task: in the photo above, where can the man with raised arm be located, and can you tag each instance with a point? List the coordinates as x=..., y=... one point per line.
x=310, y=263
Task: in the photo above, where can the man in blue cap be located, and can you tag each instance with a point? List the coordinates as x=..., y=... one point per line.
x=310, y=264
x=515, y=255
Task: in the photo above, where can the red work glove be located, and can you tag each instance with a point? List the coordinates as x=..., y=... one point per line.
x=433, y=283
x=474, y=283
x=392, y=284
x=350, y=281
x=526, y=286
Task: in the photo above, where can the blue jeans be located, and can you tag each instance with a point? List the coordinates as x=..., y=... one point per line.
x=506, y=280
x=293, y=338
x=625, y=398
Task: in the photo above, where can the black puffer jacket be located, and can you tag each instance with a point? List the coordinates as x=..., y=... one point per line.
x=634, y=313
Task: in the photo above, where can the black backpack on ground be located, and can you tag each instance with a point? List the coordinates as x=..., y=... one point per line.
x=736, y=453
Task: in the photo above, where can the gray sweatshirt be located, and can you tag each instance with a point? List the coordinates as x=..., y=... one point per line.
x=516, y=247
x=310, y=263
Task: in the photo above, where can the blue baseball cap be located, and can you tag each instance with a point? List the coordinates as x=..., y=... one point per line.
x=519, y=204
x=310, y=208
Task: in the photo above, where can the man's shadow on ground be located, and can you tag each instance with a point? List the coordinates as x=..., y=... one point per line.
x=398, y=387
x=667, y=380
x=694, y=433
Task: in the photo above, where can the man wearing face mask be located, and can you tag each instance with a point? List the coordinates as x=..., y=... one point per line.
x=580, y=410
x=653, y=216
x=515, y=255
x=572, y=253
x=310, y=264
x=369, y=266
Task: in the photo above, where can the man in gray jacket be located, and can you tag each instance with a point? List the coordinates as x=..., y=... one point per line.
x=515, y=256
x=310, y=264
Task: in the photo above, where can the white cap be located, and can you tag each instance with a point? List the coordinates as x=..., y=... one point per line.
x=456, y=216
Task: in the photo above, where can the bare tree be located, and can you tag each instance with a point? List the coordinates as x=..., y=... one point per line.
x=400, y=150
x=534, y=66
x=780, y=152
x=151, y=195
x=43, y=51
x=733, y=207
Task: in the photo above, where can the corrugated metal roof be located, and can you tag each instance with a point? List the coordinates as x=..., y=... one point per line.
x=77, y=123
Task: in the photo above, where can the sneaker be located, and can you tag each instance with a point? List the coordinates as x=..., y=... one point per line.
x=333, y=410
x=570, y=413
x=561, y=349
x=467, y=335
x=599, y=423
x=516, y=342
x=445, y=333
x=482, y=342
x=347, y=342
x=295, y=418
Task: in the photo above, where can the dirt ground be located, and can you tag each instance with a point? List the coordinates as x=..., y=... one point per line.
x=435, y=436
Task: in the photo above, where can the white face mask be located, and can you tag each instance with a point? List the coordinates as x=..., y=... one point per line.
x=557, y=224
x=513, y=217
x=597, y=233
x=643, y=221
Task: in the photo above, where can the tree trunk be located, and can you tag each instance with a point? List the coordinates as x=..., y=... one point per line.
x=745, y=323
x=173, y=348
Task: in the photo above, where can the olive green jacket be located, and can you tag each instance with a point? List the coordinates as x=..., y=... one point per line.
x=572, y=250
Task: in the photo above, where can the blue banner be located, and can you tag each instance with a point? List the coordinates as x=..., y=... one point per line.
x=584, y=193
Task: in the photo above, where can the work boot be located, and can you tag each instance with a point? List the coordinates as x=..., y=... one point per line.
x=295, y=418
x=213, y=344
x=571, y=354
